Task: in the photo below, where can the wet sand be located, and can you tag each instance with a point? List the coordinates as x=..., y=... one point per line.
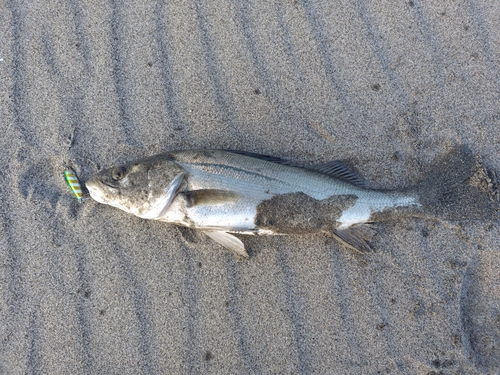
x=391, y=87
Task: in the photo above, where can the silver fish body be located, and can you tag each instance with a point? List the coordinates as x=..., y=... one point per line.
x=223, y=192
x=253, y=181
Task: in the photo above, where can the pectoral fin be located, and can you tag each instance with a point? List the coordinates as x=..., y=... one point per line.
x=204, y=197
x=355, y=237
x=229, y=242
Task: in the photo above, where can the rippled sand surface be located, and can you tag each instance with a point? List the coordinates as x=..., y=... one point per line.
x=390, y=86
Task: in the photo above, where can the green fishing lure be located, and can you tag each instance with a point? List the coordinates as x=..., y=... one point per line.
x=74, y=185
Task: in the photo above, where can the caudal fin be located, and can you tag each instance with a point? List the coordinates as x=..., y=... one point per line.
x=459, y=187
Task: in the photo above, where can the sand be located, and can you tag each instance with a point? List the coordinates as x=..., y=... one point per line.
x=389, y=86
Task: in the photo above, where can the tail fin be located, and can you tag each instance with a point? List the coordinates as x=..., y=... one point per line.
x=458, y=187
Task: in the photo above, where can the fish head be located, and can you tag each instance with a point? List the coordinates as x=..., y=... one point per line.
x=144, y=188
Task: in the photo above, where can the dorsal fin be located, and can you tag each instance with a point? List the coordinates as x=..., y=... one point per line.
x=272, y=159
x=341, y=171
x=334, y=168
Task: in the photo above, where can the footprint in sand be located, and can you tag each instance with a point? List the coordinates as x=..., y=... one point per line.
x=480, y=309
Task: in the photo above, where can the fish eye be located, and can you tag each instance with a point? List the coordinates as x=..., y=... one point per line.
x=118, y=174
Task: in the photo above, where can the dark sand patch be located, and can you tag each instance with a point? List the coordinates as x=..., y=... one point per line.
x=298, y=213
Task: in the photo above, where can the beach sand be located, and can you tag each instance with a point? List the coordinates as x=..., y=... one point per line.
x=389, y=86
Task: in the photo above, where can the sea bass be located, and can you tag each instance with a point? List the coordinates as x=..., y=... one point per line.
x=230, y=192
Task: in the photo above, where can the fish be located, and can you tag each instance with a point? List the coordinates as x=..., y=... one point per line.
x=225, y=193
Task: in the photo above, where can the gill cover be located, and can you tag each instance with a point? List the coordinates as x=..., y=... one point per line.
x=145, y=188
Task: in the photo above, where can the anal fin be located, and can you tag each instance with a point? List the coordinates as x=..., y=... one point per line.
x=355, y=237
x=229, y=241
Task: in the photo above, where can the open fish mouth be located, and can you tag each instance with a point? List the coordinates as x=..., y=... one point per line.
x=96, y=193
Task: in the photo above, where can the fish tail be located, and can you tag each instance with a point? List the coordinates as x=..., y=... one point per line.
x=459, y=187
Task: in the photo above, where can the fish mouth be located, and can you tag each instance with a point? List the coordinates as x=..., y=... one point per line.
x=95, y=191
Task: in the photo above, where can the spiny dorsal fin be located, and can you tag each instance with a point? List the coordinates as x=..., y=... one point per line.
x=272, y=159
x=334, y=168
x=355, y=237
x=229, y=241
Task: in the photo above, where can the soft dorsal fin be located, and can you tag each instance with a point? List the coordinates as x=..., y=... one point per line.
x=334, y=168
x=229, y=241
x=341, y=171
